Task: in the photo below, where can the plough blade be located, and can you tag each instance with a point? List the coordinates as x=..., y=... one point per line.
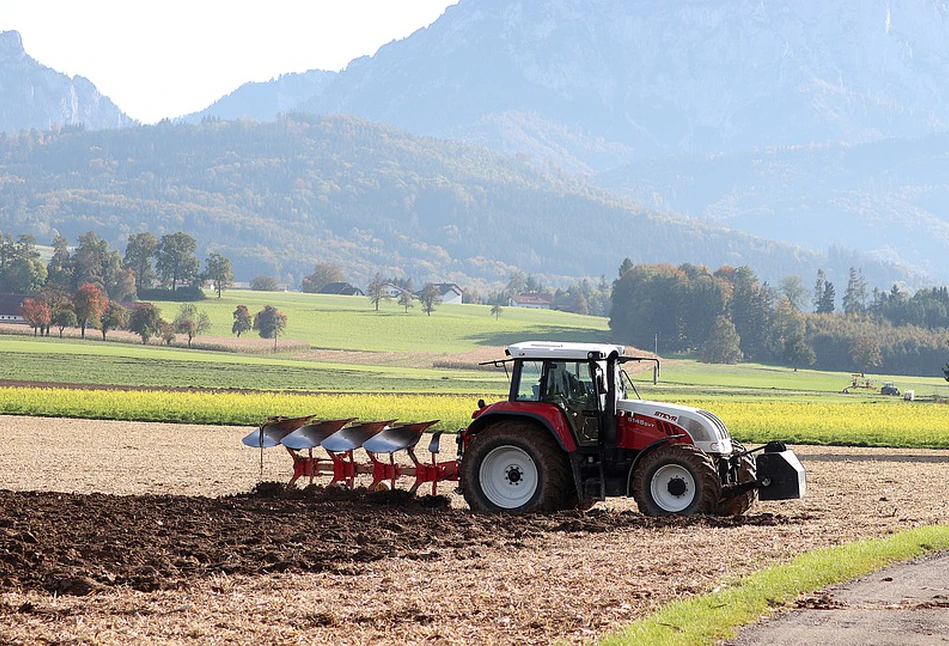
x=353, y=436
x=397, y=437
x=274, y=430
x=312, y=435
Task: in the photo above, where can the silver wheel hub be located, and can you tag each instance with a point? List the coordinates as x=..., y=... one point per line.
x=508, y=477
x=672, y=488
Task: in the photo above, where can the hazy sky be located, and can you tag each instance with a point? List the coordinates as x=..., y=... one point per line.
x=168, y=58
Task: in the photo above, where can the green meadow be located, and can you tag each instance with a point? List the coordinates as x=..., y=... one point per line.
x=351, y=323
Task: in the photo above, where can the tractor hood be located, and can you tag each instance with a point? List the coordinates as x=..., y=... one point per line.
x=707, y=431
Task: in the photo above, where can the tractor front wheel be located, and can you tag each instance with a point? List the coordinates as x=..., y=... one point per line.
x=515, y=467
x=676, y=479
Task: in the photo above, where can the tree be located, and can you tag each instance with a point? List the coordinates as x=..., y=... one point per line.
x=826, y=304
x=819, y=286
x=115, y=317
x=270, y=322
x=175, y=259
x=516, y=283
x=243, y=321
x=865, y=352
x=59, y=269
x=219, y=272
x=724, y=345
x=323, y=274
x=89, y=303
x=496, y=310
x=168, y=334
x=191, y=322
x=139, y=253
x=792, y=287
x=96, y=262
x=406, y=300
x=376, y=290
x=145, y=321
x=855, y=298
x=64, y=317
x=430, y=299
x=21, y=270
x=37, y=314
x=264, y=284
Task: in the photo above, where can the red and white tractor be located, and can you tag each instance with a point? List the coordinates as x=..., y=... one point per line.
x=569, y=435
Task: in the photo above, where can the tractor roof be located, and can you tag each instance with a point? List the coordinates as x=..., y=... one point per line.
x=555, y=350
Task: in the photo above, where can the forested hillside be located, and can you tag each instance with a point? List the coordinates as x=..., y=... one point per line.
x=889, y=196
x=276, y=197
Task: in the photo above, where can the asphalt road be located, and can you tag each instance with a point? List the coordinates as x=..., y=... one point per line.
x=903, y=605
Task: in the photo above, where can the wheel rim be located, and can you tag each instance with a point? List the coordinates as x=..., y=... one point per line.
x=508, y=477
x=672, y=487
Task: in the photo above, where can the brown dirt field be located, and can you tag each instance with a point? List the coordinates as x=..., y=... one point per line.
x=132, y=533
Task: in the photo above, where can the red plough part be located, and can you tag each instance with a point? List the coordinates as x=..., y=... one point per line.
x=340, y=438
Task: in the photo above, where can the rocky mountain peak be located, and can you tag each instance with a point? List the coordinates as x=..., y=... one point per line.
x=11, y=46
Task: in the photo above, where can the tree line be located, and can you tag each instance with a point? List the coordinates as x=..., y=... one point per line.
x=93, y=285
x=729, y=315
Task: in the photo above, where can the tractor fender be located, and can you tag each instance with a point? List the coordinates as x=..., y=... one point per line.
x=649, y=449
x=555, y=424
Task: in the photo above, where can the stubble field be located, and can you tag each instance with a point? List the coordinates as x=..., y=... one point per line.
x=135, y=533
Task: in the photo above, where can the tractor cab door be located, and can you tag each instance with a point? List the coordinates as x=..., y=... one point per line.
x=572, y=385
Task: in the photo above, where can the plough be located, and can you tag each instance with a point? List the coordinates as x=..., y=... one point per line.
x=340, y=438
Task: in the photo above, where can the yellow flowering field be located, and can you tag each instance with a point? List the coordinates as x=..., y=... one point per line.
x=237, y=408
x=892, y=423
x=896, y=423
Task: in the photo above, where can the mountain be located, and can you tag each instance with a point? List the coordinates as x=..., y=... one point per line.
x=277, y=197
x=591, y=84
x=815, y=123
x=264, y=101
x=35, y=96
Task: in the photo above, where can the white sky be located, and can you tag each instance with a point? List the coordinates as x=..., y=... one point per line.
x=169, y=58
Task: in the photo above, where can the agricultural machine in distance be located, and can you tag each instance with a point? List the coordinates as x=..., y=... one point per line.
x=566, y=437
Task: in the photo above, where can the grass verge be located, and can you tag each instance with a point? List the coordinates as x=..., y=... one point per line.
x=716, y=616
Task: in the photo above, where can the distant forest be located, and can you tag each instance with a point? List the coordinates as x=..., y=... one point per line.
x=279, y=197
x=728, y=315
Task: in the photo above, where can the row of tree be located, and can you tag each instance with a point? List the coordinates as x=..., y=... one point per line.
x=728, y=316
x=89, y=306
x=149, y=262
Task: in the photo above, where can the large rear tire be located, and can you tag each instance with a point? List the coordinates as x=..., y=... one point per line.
x=515, y=467
x=747, y=472
x=676, y=479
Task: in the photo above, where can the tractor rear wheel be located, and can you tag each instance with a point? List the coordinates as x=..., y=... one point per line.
x=515, y=467
x=676, y=479
x=747, y=472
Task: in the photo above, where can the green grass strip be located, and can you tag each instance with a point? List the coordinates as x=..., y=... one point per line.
x=716, y=616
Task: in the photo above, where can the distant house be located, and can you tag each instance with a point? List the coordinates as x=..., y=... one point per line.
x=341, y=289
x=449, y=292
x=392, y=291
x=531, y=301
x=10, y=305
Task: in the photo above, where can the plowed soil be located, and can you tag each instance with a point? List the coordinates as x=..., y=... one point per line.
x=126, y=533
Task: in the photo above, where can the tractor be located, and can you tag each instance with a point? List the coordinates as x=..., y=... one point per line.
x=569, y=435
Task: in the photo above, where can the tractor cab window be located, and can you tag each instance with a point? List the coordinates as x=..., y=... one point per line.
x=528, y=389
x=570, y=385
